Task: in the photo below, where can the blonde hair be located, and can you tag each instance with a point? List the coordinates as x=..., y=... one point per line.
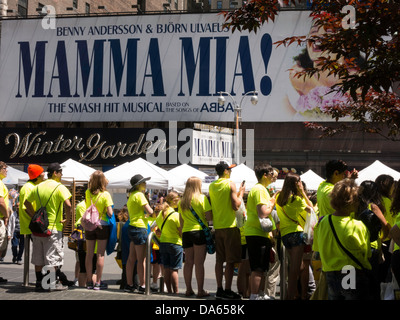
x=163, y=207
x=344, y=196
x=97, y=182
x=192, y=192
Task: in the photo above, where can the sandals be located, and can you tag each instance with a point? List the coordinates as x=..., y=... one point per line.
x=203, y=294
x=189, y=293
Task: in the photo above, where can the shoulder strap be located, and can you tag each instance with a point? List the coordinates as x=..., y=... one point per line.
x=341, y=245
x=37, y=189
x=289, y=217
x=166, y=219
x=198, y=218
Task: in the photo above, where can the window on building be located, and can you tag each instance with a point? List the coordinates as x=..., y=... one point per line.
x=87, y=8
x=75, y=4
x=219, y=5
x=23, y=8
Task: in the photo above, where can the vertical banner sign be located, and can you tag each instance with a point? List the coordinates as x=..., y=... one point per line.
x=153, y=68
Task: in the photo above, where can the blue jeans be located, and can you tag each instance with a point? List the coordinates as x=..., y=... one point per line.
x=137, y=235
x=17, y=246
x=171, y=255
x=362, y=290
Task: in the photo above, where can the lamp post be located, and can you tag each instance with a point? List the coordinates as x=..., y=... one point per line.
x=238, y=115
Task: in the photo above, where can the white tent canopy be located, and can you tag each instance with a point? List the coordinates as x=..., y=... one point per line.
x=76, y=171
x=311, y=179
x=14, y=176
x=120, y=176
x=243, y=172
x=376, y=169
x=182, y=173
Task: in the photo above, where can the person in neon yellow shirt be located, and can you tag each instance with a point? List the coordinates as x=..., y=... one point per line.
x=98, y=195
x=4, y=214
x=259, y=205
x=353, y=235
x=394, y=233
x=171, y=252
x=385, y=187
x=138, y=208
x=193, y=237
x=36, y=175
x=225, y=200
x=370, y=199
x=290, y=204
x=49, y=251
x=336, y=170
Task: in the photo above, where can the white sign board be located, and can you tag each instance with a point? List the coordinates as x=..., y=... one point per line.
x=153, y=68
x=208, y=148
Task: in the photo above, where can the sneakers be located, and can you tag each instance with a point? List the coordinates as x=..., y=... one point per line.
x=141, y=290
x=129, y=288
x=227, y=294
x=261, y=296
x=58, y=287
x=100, y=286
x=154, y=287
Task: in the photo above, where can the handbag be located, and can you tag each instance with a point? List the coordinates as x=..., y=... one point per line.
x=209, y=239
x=76, y=240
x=308, y=232
x=112, y=239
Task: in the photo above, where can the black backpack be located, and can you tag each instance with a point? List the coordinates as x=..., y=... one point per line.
x=40, y=222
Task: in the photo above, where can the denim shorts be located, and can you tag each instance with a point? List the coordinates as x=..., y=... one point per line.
x=137, y=235
x=293, y=239
x=171, y=255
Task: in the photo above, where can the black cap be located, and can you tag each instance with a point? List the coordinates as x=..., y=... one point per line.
x=138, y=179
x=55, y=166
x=222, y=166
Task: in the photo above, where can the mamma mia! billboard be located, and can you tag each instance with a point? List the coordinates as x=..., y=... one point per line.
x=153, y=68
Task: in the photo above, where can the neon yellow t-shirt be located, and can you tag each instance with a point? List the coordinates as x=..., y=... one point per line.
x=102, y=200
x=170, y=232
x=24, y=218
x=220, y=197
x=397, y=223
x=293, y=209
x=354, y=236
x=54, y=206
x=136, y=211
x=4, y=195
x=387, y=203
x=324, y=198
x=257, y=195
x=79, y=211
x=201, y=206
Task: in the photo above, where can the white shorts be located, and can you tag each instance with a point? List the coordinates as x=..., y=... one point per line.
x=3, y=236
x=48, y=251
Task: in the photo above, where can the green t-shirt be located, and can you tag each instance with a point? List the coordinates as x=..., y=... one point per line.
x=397, y=223
x=220, y=197
x=324, y=198
x=54, y=206
x=201, y=206
x=102, y=200
x=387, y=203
x=292, y=220
x=353, y=235
x=136, y=211
x=24, y=218
x=170, y=231
x=4, y=195
x=257, y=195
x=79, y=211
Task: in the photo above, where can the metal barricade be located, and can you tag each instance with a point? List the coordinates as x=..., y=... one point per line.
x=150, y=238
x=283, y=273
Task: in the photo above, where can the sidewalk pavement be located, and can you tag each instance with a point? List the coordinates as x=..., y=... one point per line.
x=14, y=289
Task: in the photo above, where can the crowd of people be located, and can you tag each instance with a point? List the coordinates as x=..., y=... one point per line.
x=357, y=230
